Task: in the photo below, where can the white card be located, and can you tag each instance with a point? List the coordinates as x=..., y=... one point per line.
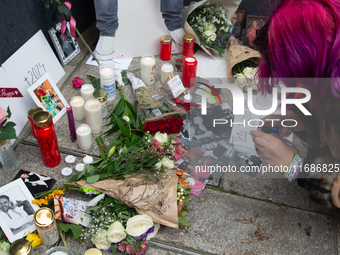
x=176, y=86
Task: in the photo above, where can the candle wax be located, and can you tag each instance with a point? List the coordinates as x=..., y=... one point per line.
x=59, y=253
x=88, y=159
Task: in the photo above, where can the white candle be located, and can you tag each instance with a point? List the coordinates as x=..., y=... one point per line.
x=78, y=109
x=107, y=79
x=84, y=136
x=70, y=159
x=80, y=167
x=165, y=70
x=88, y=159
x=148, y=66
x=93, y=109
x=187, y=98
x=86, y=91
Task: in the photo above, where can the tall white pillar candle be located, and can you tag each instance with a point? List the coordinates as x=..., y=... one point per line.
x=78, y=109
x=165, y=70
x=93, y=109
x=84, y=136
x=86, y=91
x=148, y=67
x=107, y=79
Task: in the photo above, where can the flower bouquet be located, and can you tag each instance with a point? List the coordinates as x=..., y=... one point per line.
x=209, y=22
x=154, y=111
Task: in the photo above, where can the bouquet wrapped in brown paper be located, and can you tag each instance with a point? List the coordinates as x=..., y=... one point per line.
x=237, y=54
x=154, y=197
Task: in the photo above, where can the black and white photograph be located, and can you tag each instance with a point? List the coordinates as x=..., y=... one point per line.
x=36, y=183
x=16, y=210
x=65, y=45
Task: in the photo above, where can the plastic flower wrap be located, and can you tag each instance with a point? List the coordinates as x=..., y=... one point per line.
x=211, y=26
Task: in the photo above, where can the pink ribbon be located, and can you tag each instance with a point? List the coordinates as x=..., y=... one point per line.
x=72, y=23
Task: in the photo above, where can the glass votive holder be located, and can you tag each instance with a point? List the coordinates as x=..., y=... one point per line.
x=58, y=250
x=179, y=63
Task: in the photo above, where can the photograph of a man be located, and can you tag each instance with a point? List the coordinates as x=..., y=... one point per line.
x=17, y=214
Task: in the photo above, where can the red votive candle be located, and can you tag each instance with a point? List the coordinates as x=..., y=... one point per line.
x=165, y=53
x=188, y=45
x=71, y=123
x=30, y=115
x=47, y=139
x=189, y=71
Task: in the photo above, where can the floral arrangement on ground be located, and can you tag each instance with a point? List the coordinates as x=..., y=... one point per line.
x=211, y=25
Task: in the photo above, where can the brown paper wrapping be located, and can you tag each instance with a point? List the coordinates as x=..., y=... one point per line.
x=156, y=198
x=238, y=53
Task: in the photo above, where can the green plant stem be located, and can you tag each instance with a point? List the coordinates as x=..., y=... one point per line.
x=87, y=46
x=62, y=234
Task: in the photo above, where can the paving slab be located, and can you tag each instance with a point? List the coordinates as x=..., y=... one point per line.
x=222, y=223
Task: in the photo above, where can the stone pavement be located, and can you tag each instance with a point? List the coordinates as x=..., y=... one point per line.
x=243, y=216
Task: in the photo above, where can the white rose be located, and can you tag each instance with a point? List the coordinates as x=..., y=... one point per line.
x=158, y=165
x=154, y=233
x=138, y=225
x=100, y=240
x=210, y=34
x=248, y=72
x=161, y=137
x=116, y=232
x=241, y=81
x=167, y=163
x=126, y=118
x=4, y=248
x=210, y=27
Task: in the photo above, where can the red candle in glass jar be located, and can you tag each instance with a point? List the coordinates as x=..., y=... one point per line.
x=166, y=42
x=188, y=45
x=47, y=139
x=189, y=71
x=30, y=115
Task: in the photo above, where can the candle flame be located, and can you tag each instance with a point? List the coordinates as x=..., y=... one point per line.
x=87, y=157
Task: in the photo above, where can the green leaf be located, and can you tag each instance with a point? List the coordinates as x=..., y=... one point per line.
x=152, y=162
x=75, y=229
x=122, y=127
x=183, y=222
x=92, y=179
x=141, y=127
x=125, y=80
x=9, y=114
x=8, y=131
x=137, y=246
x=187, y=199
x=127, y=143
x=93, y=209
x=64, y=11
x=185, y=209
x=111, y=151
x=115, y=249
x=2, y=235
x=129, y=166
x=75, y=177
x=130, y=239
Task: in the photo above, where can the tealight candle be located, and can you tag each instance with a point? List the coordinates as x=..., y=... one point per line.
x=84, y=136
x=88, y=159
x=80, y=167
x=78, y=109
x=94, y=119
x=165, y=70
x=187, y=98
x=59, y=253
x=86, y=91
x=148, y=66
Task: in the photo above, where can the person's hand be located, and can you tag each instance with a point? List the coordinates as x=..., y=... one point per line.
x=271, y=149
x=269, y=122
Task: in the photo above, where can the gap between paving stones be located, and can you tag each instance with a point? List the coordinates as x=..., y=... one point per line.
x=176, y=248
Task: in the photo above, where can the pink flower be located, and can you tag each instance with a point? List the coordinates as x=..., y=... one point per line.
x=179, y=152
x=77, y=82
x=122, y=246
x=129, y=249
x=157, y=146
x=3, y=115
x=175, y=140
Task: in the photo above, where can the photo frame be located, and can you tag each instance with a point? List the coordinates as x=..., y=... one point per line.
x=16, y=210
x=253, y=24
x=67, y=47
x=46, y=95
x=241, y=14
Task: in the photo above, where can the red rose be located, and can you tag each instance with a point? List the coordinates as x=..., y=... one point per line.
x=77, y=82
x=152, y=126
x=162, y=125
x=176, y=125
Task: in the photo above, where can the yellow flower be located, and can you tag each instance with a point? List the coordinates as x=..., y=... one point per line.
x=45, y=200
x=34, y=239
